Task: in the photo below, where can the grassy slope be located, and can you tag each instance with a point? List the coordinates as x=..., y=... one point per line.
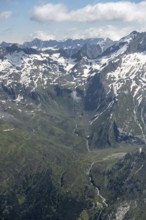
x=51, y=137
x=24, y=154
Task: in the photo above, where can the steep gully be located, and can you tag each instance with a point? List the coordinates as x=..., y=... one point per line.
x=89, y=174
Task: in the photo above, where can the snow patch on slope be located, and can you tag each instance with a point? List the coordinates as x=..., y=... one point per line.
x=133, y=67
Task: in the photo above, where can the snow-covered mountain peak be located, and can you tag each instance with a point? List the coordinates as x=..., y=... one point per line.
x=34, y=68
x=127, y=39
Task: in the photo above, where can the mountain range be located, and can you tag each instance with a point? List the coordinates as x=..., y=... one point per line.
x=72, y=129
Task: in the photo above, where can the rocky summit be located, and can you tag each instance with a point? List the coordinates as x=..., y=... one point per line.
x=73, y=129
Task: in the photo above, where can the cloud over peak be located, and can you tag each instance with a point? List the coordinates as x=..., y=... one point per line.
x=42, y=35
x=106, y=11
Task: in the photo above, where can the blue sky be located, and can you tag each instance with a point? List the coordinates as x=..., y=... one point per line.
x=23, y=20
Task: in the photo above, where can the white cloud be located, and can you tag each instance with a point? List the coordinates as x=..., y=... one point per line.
x=5, y=14
x=106, y=11
x=50, y=12
x=42, y=35
x=108, y=31
x=115, y=33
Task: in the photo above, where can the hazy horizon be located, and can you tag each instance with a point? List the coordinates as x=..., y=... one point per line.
x=25, y=20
